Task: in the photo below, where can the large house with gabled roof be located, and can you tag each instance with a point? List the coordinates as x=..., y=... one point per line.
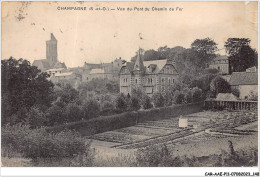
x=149, y=76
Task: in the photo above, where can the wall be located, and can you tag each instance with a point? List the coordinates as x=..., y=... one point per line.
x=108, y=123
x=246, y=89
x=224, y=68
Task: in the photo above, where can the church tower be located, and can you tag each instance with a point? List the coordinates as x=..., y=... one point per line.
x=51, y=51
x=138, y=71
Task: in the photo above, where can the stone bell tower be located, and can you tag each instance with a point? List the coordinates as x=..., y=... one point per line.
x=51, y=51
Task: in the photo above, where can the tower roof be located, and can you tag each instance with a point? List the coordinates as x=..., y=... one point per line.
x=53, y=38
x=139, y=64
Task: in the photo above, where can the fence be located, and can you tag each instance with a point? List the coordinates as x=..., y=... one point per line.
x=234, y=105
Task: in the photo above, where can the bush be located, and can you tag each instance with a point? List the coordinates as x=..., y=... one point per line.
x=146, y=102
x=135, y=103
x=35, y=118
x=196, y=94
x=187, y=95
x=158, y=100
x=235, y=92
x=37, y=143
x=108, y=123
x=219, y=85
x=178, y=97
x=121, y=103
x=73, y=112
x=156, y=156
x=91, y=109
x=54, y=115
x=168, y=99
x=253, y=96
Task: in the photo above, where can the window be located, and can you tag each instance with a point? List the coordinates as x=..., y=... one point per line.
x=172, y=80
x=162, y=80
x=167, y=69
x=163, y=89
x=136, y=81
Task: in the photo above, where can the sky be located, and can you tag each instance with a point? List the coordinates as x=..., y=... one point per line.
x=102, y=36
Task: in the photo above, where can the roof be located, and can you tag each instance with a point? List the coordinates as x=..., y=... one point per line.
x=97, y=71
x=159, y=63
x=129, y=66
x=55, y=69
x=63, y=74
x=222, y=57
x=44, y=63
x=60, y=65
x=139, y=64
x=226, y=97
x=243, y=78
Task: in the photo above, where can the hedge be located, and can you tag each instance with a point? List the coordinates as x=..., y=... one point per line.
x=108, y=123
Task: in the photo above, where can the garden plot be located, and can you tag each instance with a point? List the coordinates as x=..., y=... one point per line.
x=139, y=130
x=119, y=137
x=202, y=127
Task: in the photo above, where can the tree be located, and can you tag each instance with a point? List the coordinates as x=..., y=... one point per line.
x=23, y=86
x=73, y=112
x=158, y=100
x=168, y=97
x=55, y=115
x=135, y=103
x=107, y=107
x=146, y=102
x=206, y=49
x=91, y=109
x=187, y=95
x=66, y=93
x=121, y=103
x=189, y=62
x=150, y=55
x=163, y=52
x=219, y=85
x=241, y=55
x=35, y=118
x=205, y=46
x=178, y=97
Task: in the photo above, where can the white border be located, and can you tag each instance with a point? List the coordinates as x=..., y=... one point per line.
x=125, y=171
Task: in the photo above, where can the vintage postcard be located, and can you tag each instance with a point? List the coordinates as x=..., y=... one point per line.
x=130, y=84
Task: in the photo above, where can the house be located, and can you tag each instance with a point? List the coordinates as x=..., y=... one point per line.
x=226, y=97
x=103, y=70
x=54, y=71
x=73, y=78
x=245, y=82
x=149, y=76
x=220, y=63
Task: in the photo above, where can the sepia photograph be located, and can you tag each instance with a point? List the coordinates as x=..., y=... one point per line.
x=129, y=84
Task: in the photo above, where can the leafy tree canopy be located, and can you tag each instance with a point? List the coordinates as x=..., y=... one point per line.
x=241, y=55
x=23, y=86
